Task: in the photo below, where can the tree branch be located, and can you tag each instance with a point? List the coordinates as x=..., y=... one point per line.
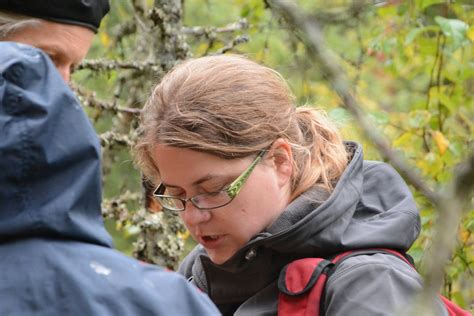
x=456, y=197
x=97, y=65
x=116, y=208
x=110, y=139
x=89, y=99
x=210, y=31
x=236, y=41
x=450, y=203
x=329, y=64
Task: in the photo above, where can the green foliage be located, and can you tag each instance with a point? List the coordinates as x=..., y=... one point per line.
x=410, y=64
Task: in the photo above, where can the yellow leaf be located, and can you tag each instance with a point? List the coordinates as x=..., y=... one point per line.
x=320, y=89
x=306, y=88
x=184, y=235
x=470, y=33
x=440, y=141
x=260, y=55
x=104, y=39
x=409, y=51
x=464, y=235
x=368, y=103
x=202, y=48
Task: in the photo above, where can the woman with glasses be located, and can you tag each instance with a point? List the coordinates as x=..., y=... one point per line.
x=259, y=183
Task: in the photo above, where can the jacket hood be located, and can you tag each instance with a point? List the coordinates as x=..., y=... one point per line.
x=50, y=179
x=371, y=206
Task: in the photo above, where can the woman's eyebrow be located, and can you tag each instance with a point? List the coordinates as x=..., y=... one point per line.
x=169, y=185
x=199, y=181
x=204, y=179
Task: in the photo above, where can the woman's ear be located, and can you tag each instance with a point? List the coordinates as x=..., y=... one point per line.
x=281, y=156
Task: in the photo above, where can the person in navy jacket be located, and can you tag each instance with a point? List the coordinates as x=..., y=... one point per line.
x=56, y=257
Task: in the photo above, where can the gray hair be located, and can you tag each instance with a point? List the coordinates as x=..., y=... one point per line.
x=11, y=22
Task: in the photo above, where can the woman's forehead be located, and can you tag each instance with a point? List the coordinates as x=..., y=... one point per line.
x=187, y=165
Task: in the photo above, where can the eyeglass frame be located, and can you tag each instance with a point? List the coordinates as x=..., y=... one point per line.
x=232, y=190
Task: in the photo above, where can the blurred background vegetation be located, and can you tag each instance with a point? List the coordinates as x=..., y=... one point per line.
x=410, y=65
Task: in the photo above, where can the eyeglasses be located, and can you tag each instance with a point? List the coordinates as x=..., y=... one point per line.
x=207, y=201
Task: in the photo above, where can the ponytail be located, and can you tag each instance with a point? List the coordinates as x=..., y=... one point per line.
x=320, y=156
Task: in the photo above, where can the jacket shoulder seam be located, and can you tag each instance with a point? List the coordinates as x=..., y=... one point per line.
x=349, y=268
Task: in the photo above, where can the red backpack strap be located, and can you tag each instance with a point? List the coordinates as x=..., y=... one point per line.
x=301, y=284
x=453, y=309
x=338, y=259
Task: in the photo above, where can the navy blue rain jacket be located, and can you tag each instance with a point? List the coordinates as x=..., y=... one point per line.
x=55, y=255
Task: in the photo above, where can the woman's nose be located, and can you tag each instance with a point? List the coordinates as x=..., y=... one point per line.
x=193, y=216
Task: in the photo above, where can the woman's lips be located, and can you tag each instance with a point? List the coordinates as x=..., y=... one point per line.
x=211, y=241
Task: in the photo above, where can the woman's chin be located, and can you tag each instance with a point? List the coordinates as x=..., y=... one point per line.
x=219, y=257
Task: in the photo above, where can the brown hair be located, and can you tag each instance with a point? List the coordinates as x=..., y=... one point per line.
x=232, y=107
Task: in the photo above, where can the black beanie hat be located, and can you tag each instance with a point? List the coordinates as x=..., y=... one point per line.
x=87, y=13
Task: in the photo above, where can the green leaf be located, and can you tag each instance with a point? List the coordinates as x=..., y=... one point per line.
x=448, y=103
x=416, y=253
x=470, y=221
x=389, y=45
x=423, y=4
x=414, y=33
x=402, y=9
x=454, y=29
x=245, y=11
x=408, y=143
x=381, y=118
x=418, y=118
x=427, y=46
x=430, y=164
x=387, y=11
x=339, y=116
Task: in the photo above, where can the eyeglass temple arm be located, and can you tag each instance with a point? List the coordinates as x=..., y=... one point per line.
x=234, y=187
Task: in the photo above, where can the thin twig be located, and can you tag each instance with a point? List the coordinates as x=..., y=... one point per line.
x=435, y=65
x=107, y=65
x=209, y=31
x=428, y=89
x=360, y=59
x=438, y=83
x=111, y=139
x=89, y=99
x=117, y=209
x=230, y=46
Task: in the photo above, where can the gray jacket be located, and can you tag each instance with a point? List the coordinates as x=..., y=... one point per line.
x=371, y=206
